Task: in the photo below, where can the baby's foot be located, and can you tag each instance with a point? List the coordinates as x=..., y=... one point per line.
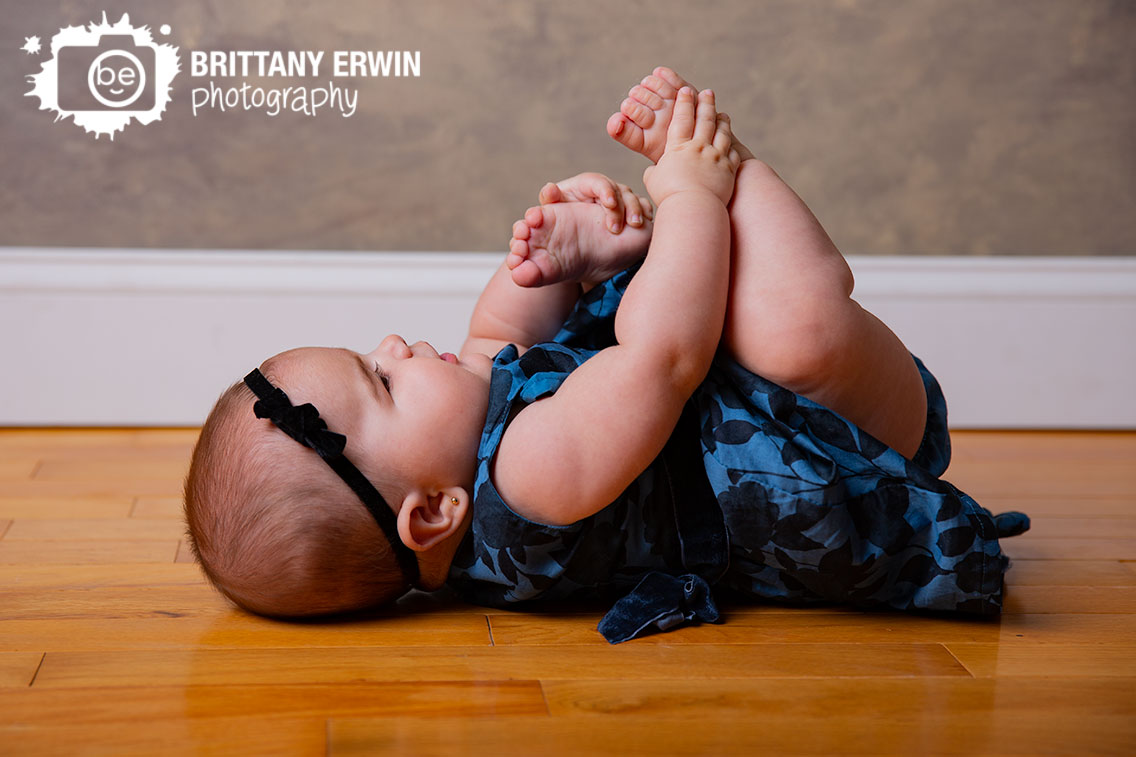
x=569, y=241
x=644, y=117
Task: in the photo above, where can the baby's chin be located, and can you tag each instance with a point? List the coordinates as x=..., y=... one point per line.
x=478, y=364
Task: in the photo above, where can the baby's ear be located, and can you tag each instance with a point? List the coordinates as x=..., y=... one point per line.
x=425, y=520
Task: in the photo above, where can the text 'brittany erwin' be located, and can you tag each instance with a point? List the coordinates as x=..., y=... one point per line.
x=297, y=63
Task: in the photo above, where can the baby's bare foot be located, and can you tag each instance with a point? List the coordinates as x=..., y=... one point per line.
x=569, y=241
x=644, y=117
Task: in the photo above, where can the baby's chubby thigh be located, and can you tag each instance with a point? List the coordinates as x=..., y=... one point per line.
x=834, y=352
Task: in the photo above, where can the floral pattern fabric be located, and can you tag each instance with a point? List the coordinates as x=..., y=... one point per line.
x=816, y=509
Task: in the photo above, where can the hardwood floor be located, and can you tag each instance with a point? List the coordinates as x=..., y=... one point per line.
x=111, y=642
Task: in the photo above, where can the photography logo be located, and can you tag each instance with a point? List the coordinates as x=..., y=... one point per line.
x=103, y=75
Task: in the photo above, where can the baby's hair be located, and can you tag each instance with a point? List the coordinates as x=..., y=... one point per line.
x=274, y=528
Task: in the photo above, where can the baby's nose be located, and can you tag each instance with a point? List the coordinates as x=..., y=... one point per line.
x=424, y=347
x=393, y=345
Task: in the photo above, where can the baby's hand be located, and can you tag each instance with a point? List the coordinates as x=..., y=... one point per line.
x=621, y=205
x=698, y=154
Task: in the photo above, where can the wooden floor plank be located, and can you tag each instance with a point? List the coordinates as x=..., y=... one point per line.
x=127, y=488
x=126, y=469
x=16, y=469
x=157, y=507
x=201, y=629
x=902, y=699
x=1083, y=528
x=1028, y=547
x=203, y=666
x=64, y=576
x=96, y=528
x=1059, y=660
x=1070, y=599
x=78, y=551
x=17, y=669
x=55, y=508
x=874, y=628
x=1064, y=507
x=142, y=656
x=825, y=732
x=184, y=552
x=131, y=704
x=245, y=735
x=195, y=599
x=1069, y=573
x=182, y=594
x=1043, y=479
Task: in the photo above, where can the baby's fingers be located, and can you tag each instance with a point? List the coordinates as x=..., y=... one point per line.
x=706, y=119
x=589, y=186
x=633, y=209
x=682, y=122
x=723, y=137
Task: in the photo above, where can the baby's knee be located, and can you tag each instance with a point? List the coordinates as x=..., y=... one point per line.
x=794, y=342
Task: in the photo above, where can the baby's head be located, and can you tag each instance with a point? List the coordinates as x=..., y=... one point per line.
x=281, y=533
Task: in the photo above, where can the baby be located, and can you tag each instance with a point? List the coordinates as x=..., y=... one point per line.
x=649, y=401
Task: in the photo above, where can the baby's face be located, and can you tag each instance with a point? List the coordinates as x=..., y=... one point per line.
x=421, y=418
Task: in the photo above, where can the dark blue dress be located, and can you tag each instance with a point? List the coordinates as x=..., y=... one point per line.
x=759, y=490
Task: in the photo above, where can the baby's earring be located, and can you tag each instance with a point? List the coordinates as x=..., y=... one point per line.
x=453, y=500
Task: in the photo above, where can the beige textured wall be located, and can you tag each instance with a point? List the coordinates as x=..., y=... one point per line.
x=910, y=127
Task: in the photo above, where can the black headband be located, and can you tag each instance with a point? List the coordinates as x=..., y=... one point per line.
x=304, y=424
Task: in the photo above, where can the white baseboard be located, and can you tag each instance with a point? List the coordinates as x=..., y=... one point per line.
x=151, y=337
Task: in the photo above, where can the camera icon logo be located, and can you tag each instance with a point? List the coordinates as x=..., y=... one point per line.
x=117, y=74
x=106, y=75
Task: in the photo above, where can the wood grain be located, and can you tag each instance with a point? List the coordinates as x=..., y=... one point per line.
x=398, y=699
x=826, y=730
x=129, y=650
x=245, y=735
x=32, y=506
x=262, y=664
x=17, y=668
x=764, y=628
x=1069, y=573
x=157, y=507
x=1073, y=660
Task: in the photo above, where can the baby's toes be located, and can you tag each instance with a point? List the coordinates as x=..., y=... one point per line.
x=550, y=193
x=534, y=217
x=524, y=271
x=660, y=87
x=623, y=130
x=670, y=77
x=646, y=96
x=521, y=230
x=518, y=253
x=640, y=114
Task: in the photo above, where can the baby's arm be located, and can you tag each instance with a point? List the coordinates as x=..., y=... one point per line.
x=568, y=456
x=510, y=314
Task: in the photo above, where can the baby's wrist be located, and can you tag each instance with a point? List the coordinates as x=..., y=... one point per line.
x=692, y=192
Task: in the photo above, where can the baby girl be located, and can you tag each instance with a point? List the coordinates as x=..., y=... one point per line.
x=650, y=403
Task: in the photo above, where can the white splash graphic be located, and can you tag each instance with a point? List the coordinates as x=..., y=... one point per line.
x=111, y=73
x=31, y=45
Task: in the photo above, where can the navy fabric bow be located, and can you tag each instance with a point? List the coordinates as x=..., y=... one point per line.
x=660, y=602
x=301, y=422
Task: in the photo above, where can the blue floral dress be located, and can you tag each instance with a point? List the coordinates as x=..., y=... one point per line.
x=759, y=490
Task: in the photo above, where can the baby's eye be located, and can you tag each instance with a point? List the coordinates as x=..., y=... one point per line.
x=384, y=377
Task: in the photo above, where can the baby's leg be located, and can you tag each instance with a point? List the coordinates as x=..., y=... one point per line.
x=790, y=317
